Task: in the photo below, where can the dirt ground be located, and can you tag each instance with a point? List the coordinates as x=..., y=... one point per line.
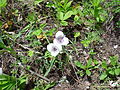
x=109, y=46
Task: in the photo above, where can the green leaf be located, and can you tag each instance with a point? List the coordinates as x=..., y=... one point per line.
x=64, y=23
x=3, y=46
x=37, y=32
x=88, y=72
x=50, y=4
x=22, y=80
x=104, y=65
x=60, y=15
x=98, y=19
x=4, y=85
x=114, y=60
x=103, y=76
x=3, y=3
x=76, y=34
x=78, y=64
x=117, y=71
x=42, y=25
x=102, y=18
x=112, y=72
x=96, y=2
x=91, y=52
x=68, y=5
x=30, y=53
x=7, y=82
x=38, y=1
x=47, y=54
x=31, y=17
x=49, y=85
x=76, y=18
x=75, y=12
x=96, y=62
x=50, y=32
x=67, y=15
x=1, y=24
x=86, y=43
x=89, y=63
x=51, y=65
x=28, y=67
x=81, y=73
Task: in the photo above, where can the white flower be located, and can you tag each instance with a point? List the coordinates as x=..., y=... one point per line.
x=60, y=39
x=0, y=71
x=54, y=49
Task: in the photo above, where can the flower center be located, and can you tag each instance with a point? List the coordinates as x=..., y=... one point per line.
x=54, y=49
x=60, y=39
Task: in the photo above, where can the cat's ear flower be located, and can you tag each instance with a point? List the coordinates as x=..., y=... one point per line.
x=54, y=49
x=60, y=39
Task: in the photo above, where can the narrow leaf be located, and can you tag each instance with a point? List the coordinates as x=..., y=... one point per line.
x=88, y=72
x=103, y=76
x=67, y=15
x=60, y=15
x=78, y=64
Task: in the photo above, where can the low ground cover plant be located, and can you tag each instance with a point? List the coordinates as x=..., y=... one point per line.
x=59, y=45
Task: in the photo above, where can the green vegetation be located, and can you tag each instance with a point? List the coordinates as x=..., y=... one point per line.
x=111, y=69
x=43, y=41
x=10, y=82
x=87, y=68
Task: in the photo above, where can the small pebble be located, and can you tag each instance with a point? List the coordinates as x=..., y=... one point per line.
x=115, y=46
x=113, y=84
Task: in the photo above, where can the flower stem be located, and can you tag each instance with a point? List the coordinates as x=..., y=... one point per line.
x=71, y=61
x=51, y=65
x=73, y=46
x=46, y=37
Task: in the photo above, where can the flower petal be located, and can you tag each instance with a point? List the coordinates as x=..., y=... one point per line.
x=49, y=47
x=55, y=41
x=54, y=49
x=66, y=41
x=59, y=33
x=59, y=47
x=54, y=53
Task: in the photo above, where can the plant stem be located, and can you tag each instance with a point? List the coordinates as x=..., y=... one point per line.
x=74, y=46
x=71, y=61
x=32, y=72
x=46, y=37
x=51, y=65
